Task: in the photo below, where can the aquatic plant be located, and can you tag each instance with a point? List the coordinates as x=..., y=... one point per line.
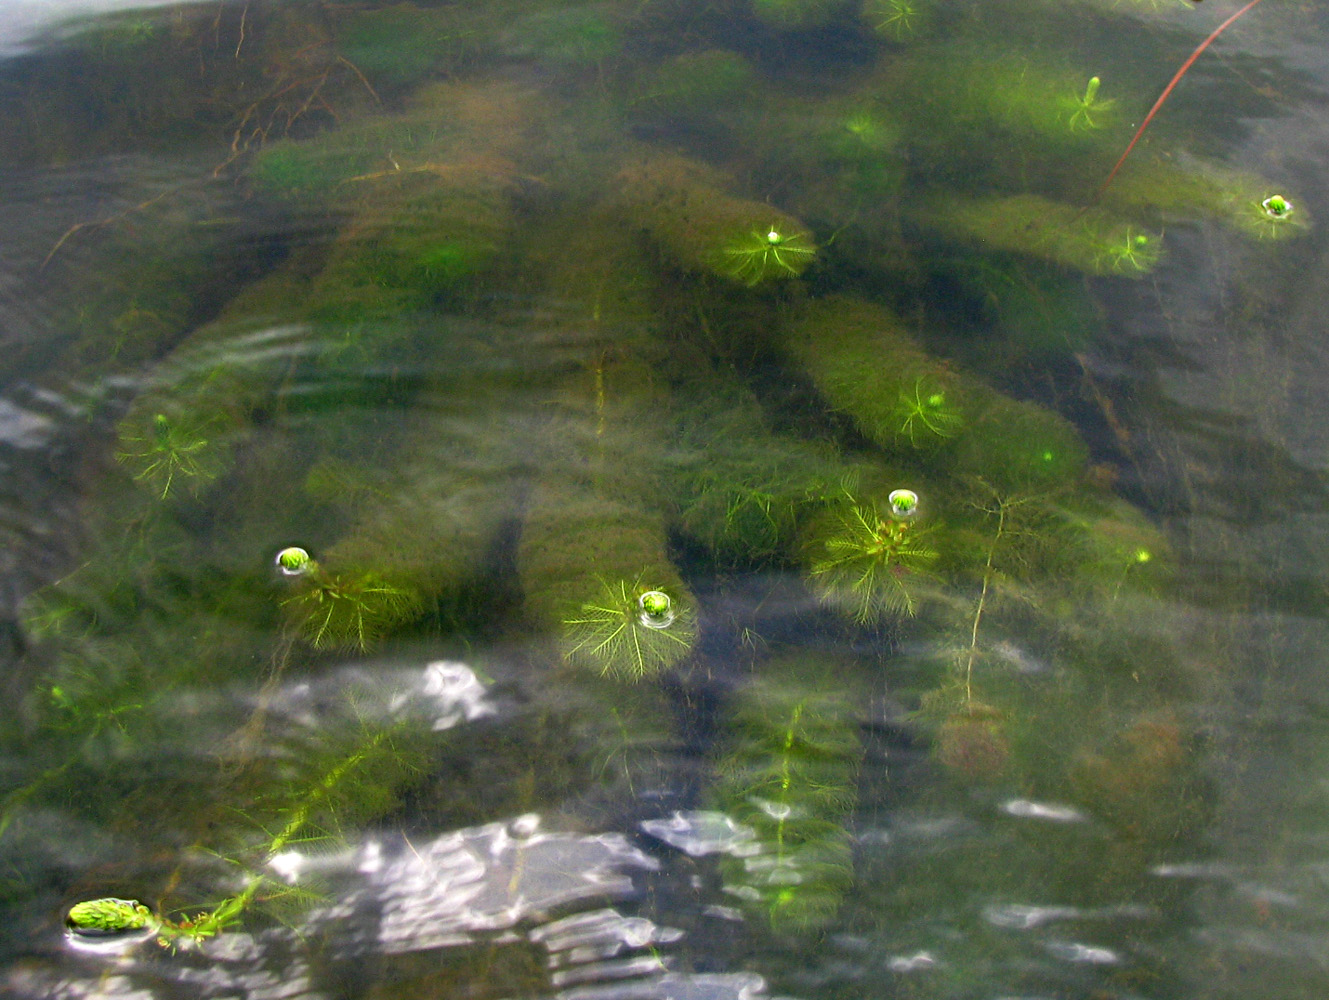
x=790, y=778
x=904, y=503
x=1019, y=446
x=1089, y=110
x=108, y=915
x=295, y=561
x=867, y=564
x=760, y=257
x=1274, y=217
x=630, y=631
x=866, y=366
x=1171, y=85
x=350, y=609
x=1133, y=251
x=171, y=454
x=924, y=413
x=899, y=20
x=743, y=490
x=1094, y=240
x=683, y=205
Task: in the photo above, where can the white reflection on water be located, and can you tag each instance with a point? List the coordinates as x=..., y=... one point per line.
x=701, y=832
x=1053, y=812
x=495, y=882
x=485, y=878
x=23, y=22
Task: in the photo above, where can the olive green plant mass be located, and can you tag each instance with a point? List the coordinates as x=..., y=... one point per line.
x=545, y=326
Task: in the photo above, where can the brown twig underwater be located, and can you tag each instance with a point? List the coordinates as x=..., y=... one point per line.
x=1171, y=84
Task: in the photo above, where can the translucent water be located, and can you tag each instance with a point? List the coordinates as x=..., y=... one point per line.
x=634, y=500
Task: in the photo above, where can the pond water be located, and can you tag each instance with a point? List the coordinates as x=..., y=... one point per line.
x=657, y=499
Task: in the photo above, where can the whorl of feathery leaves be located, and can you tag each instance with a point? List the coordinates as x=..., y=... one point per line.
x=350, y=610
x=867, y=564
x=612, y=635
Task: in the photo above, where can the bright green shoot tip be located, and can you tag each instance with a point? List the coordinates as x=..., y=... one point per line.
x=108, y=915
x=1087, y=110
x=773, y=254
x=629, y=631
x=294, y=561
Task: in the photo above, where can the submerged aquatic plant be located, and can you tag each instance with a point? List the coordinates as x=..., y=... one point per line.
x=168, y=452
x=108, y=915
x=295, y=561
x=897, y=19
x=790, y=778
x=1274, y=217
x=1087, y=111
x=1132, y=251
x=869, y=565
x=348, y=610
x=760, y=257
x=630, y=631
x=904, y=503
x=925, y=414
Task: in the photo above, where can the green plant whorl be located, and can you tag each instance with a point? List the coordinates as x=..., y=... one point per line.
x=868, y=564
x=629, y=631
x=350, y=609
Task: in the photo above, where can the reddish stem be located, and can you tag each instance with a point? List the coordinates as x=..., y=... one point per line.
x=1168, y=89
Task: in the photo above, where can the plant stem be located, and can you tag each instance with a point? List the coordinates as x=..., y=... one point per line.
x=982, y=602
x=1168, y=89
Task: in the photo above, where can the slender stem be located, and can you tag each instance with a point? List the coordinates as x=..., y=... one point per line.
x=1168, y=89
x=982, y=601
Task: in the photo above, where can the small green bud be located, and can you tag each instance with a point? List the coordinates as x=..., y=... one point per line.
x=656, y=609
x=904, y=503
x=774, y=238
x=1091, y=91
x=108, y=915
x=294, y=561
x=1143, y=555
x=1276, y=207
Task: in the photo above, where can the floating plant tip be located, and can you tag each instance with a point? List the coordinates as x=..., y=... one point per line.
x=656, y=609
x=1276, y=207
x=293, y=561
x=904, y=503
x=108, y=915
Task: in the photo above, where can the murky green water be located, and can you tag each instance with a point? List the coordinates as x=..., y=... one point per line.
x=658, y=499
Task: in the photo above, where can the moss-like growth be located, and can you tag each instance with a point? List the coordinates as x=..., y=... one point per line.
x=866, y=366
x=586, y=560
x=790, y=778
x=1196, y=189
x=743, y=489
x=1090, y=240
x=1020, y=446
x=979, y=93
x=350, y=609
x=683, y=206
